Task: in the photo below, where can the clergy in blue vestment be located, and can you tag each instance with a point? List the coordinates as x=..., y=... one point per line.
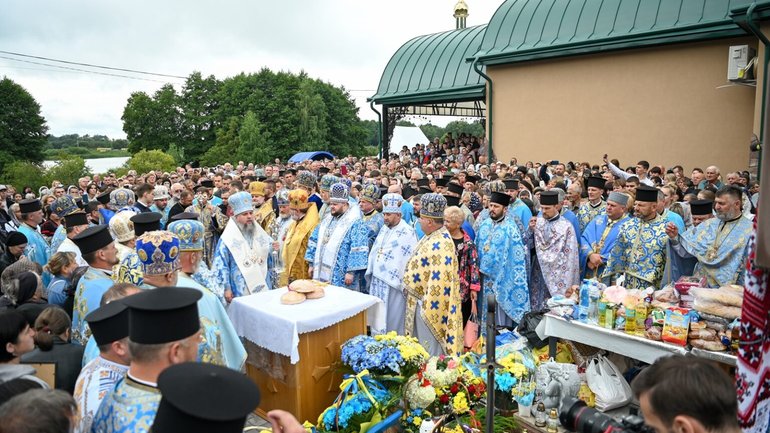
x=373, y=220
x=242, y=256
x=324, y=186
x=517, y=207
x=640, y=251
x=338, y=249
x=600, y=235
x=98, y=250
x=387, y=262
x=105, y=210
x=720, y=244
x=679, y=262
x=62, y=206
x=109, y=324
x=218, y=330
x=37, y=248
x=594, y=206
x=164, y=329
x=502, y=263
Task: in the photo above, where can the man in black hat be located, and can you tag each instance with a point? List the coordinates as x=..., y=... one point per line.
x=595, y=204
x=74, y=224
x=109, y=325
x=14, y=248
x=556, y=267
x=517, y=207
x=99, y=251
x=146, y=222
x=204, y=398
x=640, y=251
x=37, y=248
x=164, y=329
x=503, y=261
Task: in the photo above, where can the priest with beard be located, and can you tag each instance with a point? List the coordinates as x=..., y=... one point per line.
x=243, y=252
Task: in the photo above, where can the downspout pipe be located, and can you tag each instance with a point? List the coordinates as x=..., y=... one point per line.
x=379, y=130
x=477, y=68
x=761, y=36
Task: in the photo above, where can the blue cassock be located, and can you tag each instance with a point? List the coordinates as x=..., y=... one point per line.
x=502, y=261
x=91, y=352
x=129, y=408
x=353, y=254
x=37, y=249
x=163, y=213
x=679, y=263
x=88, y=295
x=519, y=209
x=106, y=215
x=58, y=237
x=573, y=219
x=374, y=223
x=407, y=212
x=218, y=330
x=673, y=217
x=594, y=238
x=721, y=249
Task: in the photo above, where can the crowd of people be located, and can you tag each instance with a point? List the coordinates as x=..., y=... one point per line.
x=430, y=231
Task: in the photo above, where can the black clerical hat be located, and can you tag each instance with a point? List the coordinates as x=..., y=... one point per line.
x=500, y=198
x=596, y=182
x=163, y=315
x=409, y=192
x=208, y=183
x=701, y=207
x=109, y=322
x=185, y=216
x=647, y=194
x=442, y=181
x=425, y=190
x=423, y=182
x=452, y=200
x=204, y=398
x=93, y=239
x=104, y=197
x=30, y=205
x=549, y=198
x=75, y=219
x=455, y=188
x=323, y=170
x=472, y=179
x=511, y=184
x=146, y=222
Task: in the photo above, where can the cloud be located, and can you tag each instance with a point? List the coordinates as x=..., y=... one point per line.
x=344, y=42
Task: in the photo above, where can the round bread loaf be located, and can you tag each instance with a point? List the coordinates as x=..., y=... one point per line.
x=303, y=286
x=291, y=298
x=316, y=294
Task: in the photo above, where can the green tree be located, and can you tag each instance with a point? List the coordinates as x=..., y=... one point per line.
x=152, y=122
x=458, y=127
x=178, y=153
x=68, y=170
x=312, y=118
x=22, y=127
x=226, y=146
x=21, y=174
x=146, y=160
x=253, y=141
x=198, y=104
x=372, y=132
x=432, y=131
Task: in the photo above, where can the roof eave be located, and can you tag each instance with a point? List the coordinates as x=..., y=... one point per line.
x=697, y=33
x=438, y=96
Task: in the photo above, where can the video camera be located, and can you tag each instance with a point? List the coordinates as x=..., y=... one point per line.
x=577, y=417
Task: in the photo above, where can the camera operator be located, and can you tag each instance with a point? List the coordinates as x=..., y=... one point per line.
x=685, y=394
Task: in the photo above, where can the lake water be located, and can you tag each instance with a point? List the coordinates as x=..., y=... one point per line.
x=99, y=165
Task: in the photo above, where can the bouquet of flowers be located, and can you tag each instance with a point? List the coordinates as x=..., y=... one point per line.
x=412, y=420
x=413, y=355
x=366, y=353
x=357, y=407
x=455, y=387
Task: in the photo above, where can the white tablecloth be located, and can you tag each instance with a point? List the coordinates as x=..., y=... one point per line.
x=263, y=320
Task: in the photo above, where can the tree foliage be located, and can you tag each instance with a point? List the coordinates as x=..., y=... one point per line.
x=145, y=161
x=294, y=113
x=22, y=127
x=254, y=140
x=26, y=173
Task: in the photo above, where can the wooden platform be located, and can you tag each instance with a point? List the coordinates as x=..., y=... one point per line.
x=308, y=387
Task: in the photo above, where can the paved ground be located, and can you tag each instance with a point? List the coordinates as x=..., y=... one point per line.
x=255, y=421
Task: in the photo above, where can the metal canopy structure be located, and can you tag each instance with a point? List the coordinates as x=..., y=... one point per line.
x=429, y=75
x=525, y=30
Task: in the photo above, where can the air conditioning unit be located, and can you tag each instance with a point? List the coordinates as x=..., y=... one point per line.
x=740, y=63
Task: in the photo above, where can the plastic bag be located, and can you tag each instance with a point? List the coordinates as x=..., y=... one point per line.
x=607, y=382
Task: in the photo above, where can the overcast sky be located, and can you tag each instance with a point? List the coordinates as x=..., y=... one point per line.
x=344, y=42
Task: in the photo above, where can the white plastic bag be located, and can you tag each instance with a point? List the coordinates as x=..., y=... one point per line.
x=607, y=382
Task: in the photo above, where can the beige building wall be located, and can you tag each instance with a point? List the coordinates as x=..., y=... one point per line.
x=664, y=105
